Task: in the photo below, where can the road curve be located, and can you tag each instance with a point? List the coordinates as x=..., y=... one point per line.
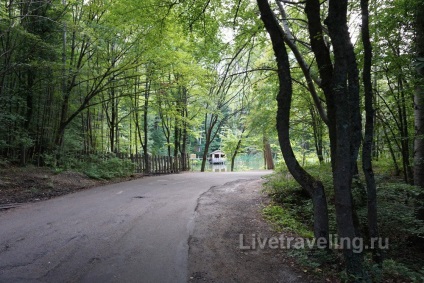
x=135, y=231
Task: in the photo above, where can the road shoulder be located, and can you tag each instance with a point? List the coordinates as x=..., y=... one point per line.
x=222, y=215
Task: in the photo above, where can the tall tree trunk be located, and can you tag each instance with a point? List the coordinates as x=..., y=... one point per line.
x=369, y=132
x=401, y=104
x=310, y=184
x=29, y=110
x=419, y=100
x=184, y=148
x=146, y=125
x=206, y=149
x=317, y=128
x=346, y=101
x=184, y=134
x=112, y=122
x=325, y=67
x=236, y=150
x=233, y=156
x=419, y=107
x=177, y=137
x=269, y=163
x=392, y=152
x=209, y=127
x=64, y=88
x=204, y=156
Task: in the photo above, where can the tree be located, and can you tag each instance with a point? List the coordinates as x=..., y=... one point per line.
x=369, y=130
x=345, y=88
x=393, y=77
x=340, y=83
x=221, y=94
x=419, y=97
x=314, y=187
x=232, y=143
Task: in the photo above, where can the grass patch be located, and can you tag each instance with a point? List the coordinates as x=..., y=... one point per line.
x=283, y=219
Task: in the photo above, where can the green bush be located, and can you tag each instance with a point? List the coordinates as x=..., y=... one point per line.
x=96, y=166
x=109, y=168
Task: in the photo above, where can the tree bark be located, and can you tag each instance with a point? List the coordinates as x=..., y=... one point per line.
x=317, y=128
x=419, y=107
x=146, y=124
x=210, y=126
x=325, y=67
x=419, y=100
x=346, y=101
x=269, y=163
x=405, y=139
x=233, y=156
x=369, y=131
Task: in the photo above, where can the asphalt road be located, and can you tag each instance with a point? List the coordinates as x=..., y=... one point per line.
x=135, y=231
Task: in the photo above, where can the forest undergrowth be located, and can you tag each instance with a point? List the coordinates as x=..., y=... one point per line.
x=291, y=211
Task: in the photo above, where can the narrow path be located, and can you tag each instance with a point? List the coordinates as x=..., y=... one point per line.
x=134, y=231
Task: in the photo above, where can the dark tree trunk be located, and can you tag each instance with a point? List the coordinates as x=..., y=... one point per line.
x=392, y=152
x=311, y=185
x=205, y=153
x=210, y=136
x=62, y=123
x=177, y=137
x=419, y=107
x=317, y=127
x=346, y=101
x=325, y=67
x=369, y=131
x=112, y=122
x=403, y=121
x=146, y=126
x=419, y=100
x=233, y=156
x=236, y=150
x=28, y=110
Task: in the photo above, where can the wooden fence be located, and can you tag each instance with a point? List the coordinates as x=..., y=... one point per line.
x=158, y=164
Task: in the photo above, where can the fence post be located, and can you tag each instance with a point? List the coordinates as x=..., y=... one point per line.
x=168, y=167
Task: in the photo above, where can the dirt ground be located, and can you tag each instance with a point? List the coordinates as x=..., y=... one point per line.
x=30, y=184
x=222, y=214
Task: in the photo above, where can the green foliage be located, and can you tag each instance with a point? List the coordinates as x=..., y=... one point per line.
x=397, y=204
x=96, y=166
x=109, y=168
x=316, y=259
x=284, y=219
x=419, y=65
x=4, y=163
x=394, y=269
x=284, y=189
